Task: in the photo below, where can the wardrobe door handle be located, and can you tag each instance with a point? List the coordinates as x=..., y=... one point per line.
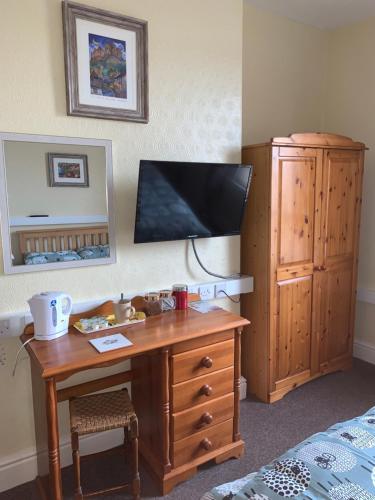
x=206, y=444
x=206, y=390
x=206, y=362
x=319, y=268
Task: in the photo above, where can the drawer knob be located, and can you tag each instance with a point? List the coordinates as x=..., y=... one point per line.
x=206, y=444
x=206, y=418
x=206, y=362
x=206, y=390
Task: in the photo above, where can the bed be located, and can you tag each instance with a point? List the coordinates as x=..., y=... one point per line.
x=56, y=245
x=338, y=464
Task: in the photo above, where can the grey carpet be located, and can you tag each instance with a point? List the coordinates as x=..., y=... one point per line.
x=268, y=431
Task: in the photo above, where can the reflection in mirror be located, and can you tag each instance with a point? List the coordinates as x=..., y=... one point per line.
x=57, y=202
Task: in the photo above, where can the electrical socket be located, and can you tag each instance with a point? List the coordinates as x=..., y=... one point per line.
x=3, y=356
x=220, y=289
x=4, y=327
x=193, y=288
x=12, y=326
x=207, y=292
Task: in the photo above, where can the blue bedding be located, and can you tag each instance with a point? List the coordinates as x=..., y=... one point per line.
x=338, y=464
x=47, y=257
x=94, y=252
x=90, y=252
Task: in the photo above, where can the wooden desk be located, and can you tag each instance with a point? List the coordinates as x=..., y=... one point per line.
x=186, y=369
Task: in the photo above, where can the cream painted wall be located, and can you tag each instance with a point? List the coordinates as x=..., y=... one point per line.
x=284, y=76
x=195, y=114
x=195, y=68
x=350, y=110
x=297, y=78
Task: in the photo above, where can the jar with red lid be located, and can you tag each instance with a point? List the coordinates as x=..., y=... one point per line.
x=180, y=293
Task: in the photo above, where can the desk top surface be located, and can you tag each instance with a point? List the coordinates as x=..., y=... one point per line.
x=73, y=352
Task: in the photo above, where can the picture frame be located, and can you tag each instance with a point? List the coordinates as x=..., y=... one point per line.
x=106, y=64
x=67, y=170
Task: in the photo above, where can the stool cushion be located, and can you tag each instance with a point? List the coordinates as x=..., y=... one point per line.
x=101, y=412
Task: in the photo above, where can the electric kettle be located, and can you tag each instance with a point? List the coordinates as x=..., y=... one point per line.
x=50, y=311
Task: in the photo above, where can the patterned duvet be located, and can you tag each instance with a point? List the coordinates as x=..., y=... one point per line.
x=338, y=464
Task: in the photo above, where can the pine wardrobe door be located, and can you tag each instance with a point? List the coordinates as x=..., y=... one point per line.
x=342, y=187
x=293, y=330
x=295, y=175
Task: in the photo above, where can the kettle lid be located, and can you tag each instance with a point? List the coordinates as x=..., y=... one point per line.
x=46, y=296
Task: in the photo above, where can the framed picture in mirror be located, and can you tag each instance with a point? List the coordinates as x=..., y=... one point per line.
x=67, y=170
x=105, y=64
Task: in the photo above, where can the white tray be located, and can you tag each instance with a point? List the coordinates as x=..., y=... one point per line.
x=130, y=322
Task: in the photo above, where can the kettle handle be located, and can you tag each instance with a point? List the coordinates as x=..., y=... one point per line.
x=69, y=304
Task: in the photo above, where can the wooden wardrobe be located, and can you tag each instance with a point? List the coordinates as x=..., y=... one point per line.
x=300, y=242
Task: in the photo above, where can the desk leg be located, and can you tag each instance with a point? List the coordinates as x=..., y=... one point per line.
x=165, y=408
x=237, y=381
x=53, y=441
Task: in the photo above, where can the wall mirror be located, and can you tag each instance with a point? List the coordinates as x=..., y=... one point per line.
x=56, y=202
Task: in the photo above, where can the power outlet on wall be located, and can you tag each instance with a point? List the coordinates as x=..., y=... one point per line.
x=12, y=326
x=4, y=327
x=3, y=357
x=207, y=292
x=221, y=290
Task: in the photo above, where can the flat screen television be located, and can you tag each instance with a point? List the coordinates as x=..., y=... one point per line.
x=182, y=200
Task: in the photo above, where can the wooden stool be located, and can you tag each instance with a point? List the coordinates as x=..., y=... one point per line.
x=98, y=413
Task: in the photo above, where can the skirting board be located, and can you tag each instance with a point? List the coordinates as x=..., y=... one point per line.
x=364, y=351
x=22, y=468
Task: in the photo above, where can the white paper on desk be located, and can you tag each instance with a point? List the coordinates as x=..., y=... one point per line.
x=203, y=307
x=116, y=341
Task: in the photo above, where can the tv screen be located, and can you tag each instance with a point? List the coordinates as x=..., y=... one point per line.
x=181, y=200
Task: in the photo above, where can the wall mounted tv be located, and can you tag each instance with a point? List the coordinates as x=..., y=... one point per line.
x=181, y=200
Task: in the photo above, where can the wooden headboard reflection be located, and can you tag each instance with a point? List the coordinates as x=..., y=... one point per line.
x=54, y=240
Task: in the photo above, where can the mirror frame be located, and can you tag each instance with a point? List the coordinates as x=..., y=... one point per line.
x=9, y=268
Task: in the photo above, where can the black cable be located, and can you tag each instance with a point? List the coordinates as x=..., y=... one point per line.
x=229, y=297
x=209, y=272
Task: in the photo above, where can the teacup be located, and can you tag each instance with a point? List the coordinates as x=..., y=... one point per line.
x=152, y=296
x=123, y=311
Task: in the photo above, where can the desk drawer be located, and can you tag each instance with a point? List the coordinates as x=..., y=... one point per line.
x=201, y=389
x=202, y=417
x=202, y=443
x=212, y=338
x=200, y=361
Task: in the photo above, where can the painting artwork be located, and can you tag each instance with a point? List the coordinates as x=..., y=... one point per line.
x=107, y=66
x=67, y=170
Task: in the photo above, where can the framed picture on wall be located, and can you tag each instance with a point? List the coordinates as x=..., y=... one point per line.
x=105, y=64
x=67, y=170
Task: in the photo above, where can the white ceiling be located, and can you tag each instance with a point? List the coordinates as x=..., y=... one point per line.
x=323, y=14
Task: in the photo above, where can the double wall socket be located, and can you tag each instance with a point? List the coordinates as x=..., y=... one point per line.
x=212, y=291
x=12, y=326
x=207, y=292
x=220, y=289
x=4, y=327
